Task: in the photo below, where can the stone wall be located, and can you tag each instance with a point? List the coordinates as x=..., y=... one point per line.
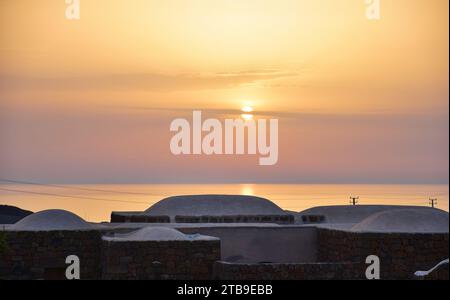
x=42, y=255
x=274, y=219
x=309, y=271
x=117, y=217
x=401, y=254
x=262, y=253
x=183, y=260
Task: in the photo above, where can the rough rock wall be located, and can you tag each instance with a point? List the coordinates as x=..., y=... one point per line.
x=401, y=254
x=42, y=255
x=185, y=260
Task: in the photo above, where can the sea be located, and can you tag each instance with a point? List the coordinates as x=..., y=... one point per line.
x=95, y=203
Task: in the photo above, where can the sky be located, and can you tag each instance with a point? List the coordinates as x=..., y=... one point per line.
x=91, y=100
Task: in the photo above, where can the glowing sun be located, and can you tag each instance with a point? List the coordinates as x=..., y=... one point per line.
x=247, y=110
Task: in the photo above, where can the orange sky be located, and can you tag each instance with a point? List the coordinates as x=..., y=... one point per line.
x=92, y=100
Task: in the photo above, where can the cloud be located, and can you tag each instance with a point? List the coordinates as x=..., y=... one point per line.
x=144, y=81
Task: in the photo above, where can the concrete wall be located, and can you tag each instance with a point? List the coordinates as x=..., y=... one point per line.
x=182, y=260
x=401, y=254
x=264, y=244
x=42, y=255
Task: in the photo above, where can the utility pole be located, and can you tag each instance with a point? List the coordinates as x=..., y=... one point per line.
x=354, y=200
x=433, y=202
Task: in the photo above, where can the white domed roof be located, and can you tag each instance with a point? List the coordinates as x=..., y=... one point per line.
x=156, y=234
x=214, y=205
x=51, y=220
x=349, y=214
x=413, y=220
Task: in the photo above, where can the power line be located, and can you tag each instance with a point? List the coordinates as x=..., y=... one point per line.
x=72, y=187
x=70, y=196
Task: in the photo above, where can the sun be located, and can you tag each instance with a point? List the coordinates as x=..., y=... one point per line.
x=247, y=110
x=247, y=190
